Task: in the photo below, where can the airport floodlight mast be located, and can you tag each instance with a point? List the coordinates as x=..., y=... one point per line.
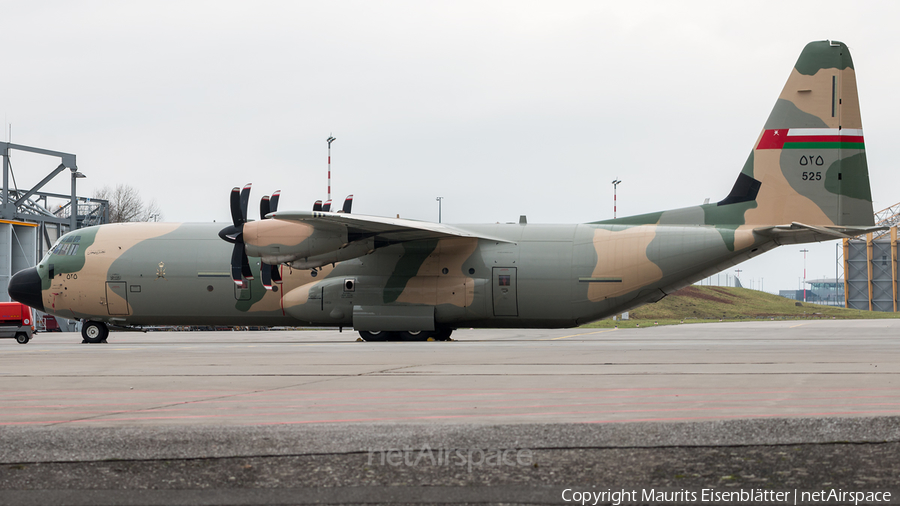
x=329, y=140
x=439, y=199
x=615, y=184
x=804, y=251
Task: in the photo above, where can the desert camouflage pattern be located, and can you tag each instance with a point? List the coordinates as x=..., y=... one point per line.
x=806, y=179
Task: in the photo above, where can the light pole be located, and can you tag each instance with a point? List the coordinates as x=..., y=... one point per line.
x=737, y=276
x=439, y=199
x=836, y=247
x=330, y=140
x=615, y=184
x=804, y=251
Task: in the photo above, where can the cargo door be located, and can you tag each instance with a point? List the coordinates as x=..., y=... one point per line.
x=504, y=289
x=117, y=297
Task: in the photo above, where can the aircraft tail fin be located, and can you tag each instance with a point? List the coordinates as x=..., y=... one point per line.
x=809, y=163
x=807, y=167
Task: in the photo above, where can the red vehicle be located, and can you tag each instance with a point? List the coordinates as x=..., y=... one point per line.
x=16, y=321
x=50, y=324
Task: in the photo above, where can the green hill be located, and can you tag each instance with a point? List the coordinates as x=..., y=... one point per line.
x=695, y=304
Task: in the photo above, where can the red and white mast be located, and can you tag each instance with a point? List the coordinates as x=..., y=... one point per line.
x=615, y=184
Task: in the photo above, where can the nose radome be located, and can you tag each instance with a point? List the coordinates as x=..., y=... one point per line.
x=25, y=287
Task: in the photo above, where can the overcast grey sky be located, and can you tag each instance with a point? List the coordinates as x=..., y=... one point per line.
x=502, y=107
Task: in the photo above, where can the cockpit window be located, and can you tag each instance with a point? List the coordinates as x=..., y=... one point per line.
x=68, y=246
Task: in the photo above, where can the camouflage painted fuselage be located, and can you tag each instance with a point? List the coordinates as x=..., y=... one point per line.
x=545, y=276
x=806, y=179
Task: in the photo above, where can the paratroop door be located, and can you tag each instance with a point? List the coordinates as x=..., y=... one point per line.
x=504, y=289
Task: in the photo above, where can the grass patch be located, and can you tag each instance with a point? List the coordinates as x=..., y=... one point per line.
x=702, y=304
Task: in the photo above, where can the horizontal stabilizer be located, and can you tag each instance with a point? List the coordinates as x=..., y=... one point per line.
x=799, y=233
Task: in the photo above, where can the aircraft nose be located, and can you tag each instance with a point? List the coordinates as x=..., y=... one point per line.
x=25, y=287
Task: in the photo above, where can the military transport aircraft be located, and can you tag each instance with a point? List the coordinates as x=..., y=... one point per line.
x=806, y=180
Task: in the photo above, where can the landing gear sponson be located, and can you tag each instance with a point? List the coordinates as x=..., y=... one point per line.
x=419, y=335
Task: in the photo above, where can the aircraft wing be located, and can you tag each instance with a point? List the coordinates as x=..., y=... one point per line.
x=391, y=230
x=798, y=232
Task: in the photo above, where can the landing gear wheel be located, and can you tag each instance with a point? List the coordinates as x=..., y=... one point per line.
x=94, y=332
x=375, y=335
x=416, y=335
x=22, y=338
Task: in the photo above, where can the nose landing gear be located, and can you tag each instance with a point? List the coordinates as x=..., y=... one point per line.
x=94, y=332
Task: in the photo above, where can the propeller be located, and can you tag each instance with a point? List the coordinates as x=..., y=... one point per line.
x=264, y=207
x=348, y=203
x=274, y=200
x=269, y=273
x=240, y=265
x=234, y=233
x=269, y=204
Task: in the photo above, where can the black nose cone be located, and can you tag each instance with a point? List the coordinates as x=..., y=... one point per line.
x=25, y=287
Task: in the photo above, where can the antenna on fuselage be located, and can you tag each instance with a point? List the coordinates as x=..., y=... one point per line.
x=330, y=139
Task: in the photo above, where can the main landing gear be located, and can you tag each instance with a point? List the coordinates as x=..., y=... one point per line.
x=417, y=335
x=94, y=332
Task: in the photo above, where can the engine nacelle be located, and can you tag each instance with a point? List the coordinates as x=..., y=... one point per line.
x=301, y=245
x=348, y=252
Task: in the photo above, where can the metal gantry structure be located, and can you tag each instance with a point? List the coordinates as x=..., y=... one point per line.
x=871, y=266
x=31, y=220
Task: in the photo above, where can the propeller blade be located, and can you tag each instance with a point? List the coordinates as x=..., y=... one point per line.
x=240, y=264
x=276, y=273
x=317, y=206
x=348, y=203
x=245, y=264
x=245, y=201
x=236, y=255
x=265, y=272
x=236, y=207
x=264, y=207
x=273, y=203
x=326, y=206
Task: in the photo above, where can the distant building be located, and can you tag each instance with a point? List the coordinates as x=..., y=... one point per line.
x=826, y=291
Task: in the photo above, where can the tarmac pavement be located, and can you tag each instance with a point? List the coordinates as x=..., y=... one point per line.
x=497, y=416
